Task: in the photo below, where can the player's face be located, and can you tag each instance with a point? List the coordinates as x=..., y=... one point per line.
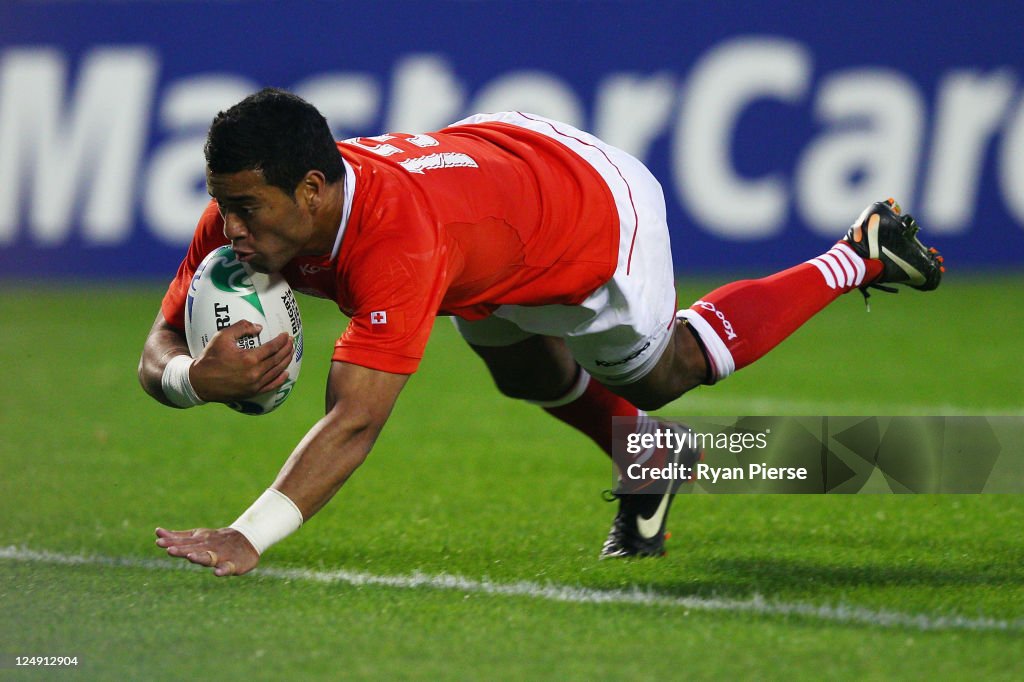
x=267, y=228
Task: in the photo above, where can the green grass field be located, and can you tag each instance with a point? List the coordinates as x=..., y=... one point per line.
x=466, y=546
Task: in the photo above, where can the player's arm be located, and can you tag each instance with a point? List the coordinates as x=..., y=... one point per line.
x=359, y=402
x=223, y=371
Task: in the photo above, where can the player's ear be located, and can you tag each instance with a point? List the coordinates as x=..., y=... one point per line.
x=311, y=189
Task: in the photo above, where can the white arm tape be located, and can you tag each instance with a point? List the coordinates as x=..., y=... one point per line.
x=270, y=519
x=176, y=384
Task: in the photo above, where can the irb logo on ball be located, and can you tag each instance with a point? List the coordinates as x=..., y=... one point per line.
x=224, y=291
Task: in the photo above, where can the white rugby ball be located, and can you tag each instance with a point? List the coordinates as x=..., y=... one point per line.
x=224, y=291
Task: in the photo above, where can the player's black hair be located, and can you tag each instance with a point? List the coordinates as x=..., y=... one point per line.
x=277, y=133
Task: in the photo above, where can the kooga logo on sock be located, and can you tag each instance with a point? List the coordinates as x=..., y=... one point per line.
x=726, y=325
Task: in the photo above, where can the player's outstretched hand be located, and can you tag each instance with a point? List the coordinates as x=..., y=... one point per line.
x=227, y=371
x=225, y=550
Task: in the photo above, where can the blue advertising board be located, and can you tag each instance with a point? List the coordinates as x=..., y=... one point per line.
x=770, y=125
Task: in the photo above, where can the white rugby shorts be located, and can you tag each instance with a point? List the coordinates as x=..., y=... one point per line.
x=621, y=330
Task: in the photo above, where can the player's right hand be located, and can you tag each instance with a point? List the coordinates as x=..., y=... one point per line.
x=225, y=550
x=225, y=372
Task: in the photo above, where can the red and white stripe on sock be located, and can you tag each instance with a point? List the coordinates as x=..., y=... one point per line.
x=740, y=322
x=841, y=267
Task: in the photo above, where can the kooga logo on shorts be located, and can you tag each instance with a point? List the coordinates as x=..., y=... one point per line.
x=614, y=363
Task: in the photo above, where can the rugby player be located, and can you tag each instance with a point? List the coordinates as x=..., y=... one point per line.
x=548, y=248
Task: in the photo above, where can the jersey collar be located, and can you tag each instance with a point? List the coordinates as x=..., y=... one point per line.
x=346, y=210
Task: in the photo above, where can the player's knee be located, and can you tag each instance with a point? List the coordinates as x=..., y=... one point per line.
x=656, y=389
x=680, y=368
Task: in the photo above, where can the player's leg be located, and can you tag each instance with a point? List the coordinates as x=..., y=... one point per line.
x=730, y=328
x=540, y=369
x=641, y=349
x=537, y=368
x=617, y=335
x=737, y=324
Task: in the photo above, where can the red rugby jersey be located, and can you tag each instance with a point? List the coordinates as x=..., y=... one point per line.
x=454, y=222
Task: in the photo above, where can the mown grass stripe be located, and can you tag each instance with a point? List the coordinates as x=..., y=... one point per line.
x=757, y=605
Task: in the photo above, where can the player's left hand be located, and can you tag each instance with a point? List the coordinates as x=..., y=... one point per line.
x=225, y=550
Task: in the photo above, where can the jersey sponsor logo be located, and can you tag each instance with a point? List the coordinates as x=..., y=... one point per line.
x=379, y=317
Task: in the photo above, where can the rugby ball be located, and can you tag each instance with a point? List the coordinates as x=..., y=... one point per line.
x=224, y=291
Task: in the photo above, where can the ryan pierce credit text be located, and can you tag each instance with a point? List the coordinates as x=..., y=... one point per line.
x=706, y=472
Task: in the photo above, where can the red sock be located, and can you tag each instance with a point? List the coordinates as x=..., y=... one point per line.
x=589, y=407
x=740, y=322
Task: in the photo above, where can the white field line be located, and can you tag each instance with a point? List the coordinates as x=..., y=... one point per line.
x=772, y=406
x=756, y=605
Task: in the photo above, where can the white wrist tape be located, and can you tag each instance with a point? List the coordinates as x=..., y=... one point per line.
x=270, y=519
x=176, y=384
